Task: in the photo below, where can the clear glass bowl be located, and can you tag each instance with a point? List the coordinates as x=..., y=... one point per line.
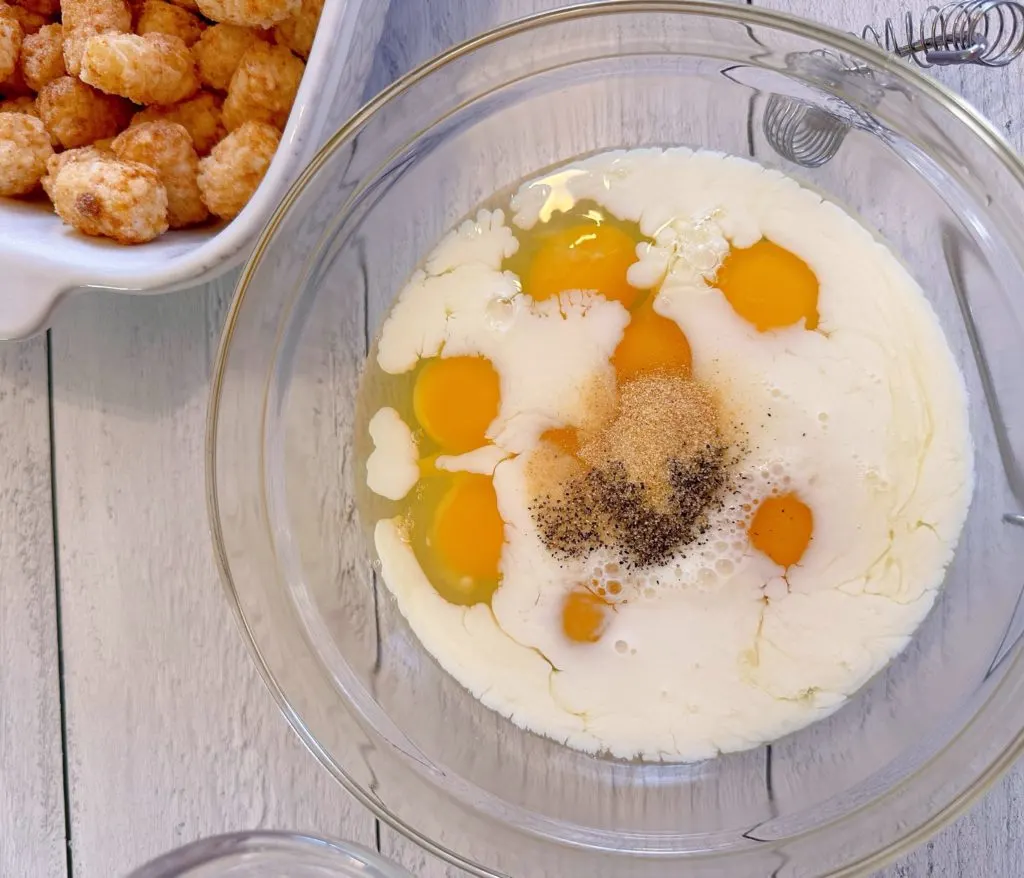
x=269, y=855
x=912, y=749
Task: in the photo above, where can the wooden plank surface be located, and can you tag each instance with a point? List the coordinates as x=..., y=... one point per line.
x=31, y=781
x=171, y=734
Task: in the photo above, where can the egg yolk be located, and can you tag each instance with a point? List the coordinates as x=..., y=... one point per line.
x=650, y=342
x=455, y=399
x=467, y=534
x=565, y=438
x=769, y=286
x=584, y=257
x=781, y=528
x=584, y=616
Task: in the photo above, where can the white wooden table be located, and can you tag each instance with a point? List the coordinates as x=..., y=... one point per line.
x=131, y=719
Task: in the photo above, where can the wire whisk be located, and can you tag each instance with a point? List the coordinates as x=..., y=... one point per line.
x=989, y=33
x=986, y=32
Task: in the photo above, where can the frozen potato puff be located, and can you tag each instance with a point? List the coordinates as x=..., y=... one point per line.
x=158, y=17
x=150, y=69
x=42, y=56
x=167, y=149
x=249, y=13
x=77, y=114
x=298, y=31
x=24, y=150
x=11, y=36
x=20, y=104
x=107, y=197
x=83, y=19
x=230, y=174
x=45, y=8
x=57, y=161
x=30, y=21
x=219, y=50
x=263, y=87
x=201, y=117
x=26, y=104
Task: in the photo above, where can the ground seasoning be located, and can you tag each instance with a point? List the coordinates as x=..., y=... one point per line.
x=642, y=484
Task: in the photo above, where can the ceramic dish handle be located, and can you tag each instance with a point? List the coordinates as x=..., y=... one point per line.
x=27, y=298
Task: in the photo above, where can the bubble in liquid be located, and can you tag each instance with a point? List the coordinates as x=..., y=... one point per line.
x=621, y=646
x=724, y=566
x=707, y=576
x=721, y=546
x=777, y=469
x=823, y=417
x=650, y=593
x=500, y=313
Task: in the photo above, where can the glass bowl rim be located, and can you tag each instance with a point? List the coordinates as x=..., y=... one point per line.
x=842, y=41
x=208, y=850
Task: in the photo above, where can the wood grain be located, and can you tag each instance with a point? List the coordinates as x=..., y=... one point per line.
x=171, y=735
x=31, y=781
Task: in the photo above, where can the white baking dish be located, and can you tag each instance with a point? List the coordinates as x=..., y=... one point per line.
x=42, y=260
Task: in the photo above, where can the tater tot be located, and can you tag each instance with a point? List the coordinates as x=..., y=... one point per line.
x=30, y=21
x=218, y=51
x=111, y=198
x=83, y=19
x=263, y=87
x=57, y=161
x=167, y=148
x=42, y=56
x=77, y=114
x=158, y=17
x=24, y=150
x=45, y=8
x=14, y=86
x=26, y=104
x=249, y=13
x=11, y=36
x=201, y=117
x=230, y=174
x=150, y=69
x=298, y=31
x=21, y=104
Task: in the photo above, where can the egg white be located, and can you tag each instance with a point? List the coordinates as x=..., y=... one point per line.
x=719, y=649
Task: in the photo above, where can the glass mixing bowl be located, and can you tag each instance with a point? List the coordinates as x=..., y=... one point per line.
x=915, y=746
x=269, y=855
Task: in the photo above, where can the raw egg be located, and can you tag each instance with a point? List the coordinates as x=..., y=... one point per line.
x=584, y=616
x=455, y=399
x=586, y=256
x=465, y=539
x=650, y=343
x=769, y=286
x=781, y=528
